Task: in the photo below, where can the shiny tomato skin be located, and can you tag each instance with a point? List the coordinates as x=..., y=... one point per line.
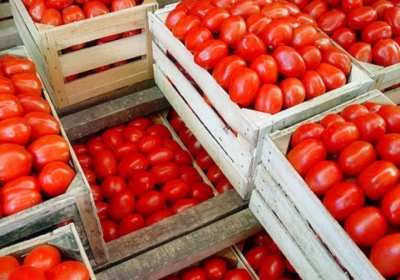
x=141, y=182
x=149, y=142
x=182, y=157
x=68, y=269
x=201, y=191
x=380, y=7
x=174, y=16
x=150, y=203
x=17, y=66
x=196, y=36
x=7, y=264
x=214, y=174
x=307, y=153
x=32, y=103
x=232, y=28
x=209, y=53
x=158, y=216
x=392, y=16
x=276, y=10
x=293, y=92
x=109, y=229
x=133, y=133
x=36, y=10
x=250, y=46
x=19, y=199
x=160, y=155
x=385, y=255
x=311, y=55
x=277, y=33
x=72, y=13
x=331, y=21
x=337, y=58
x=388, y=148
x=244, y=8
x=323, y=41
x=322, y=176
x=194, y=147
x=266, y=68
x=6, y=85
x=10, y=106
x=112, y=185
x=142, y=122
x=52, y=17
x=313, y=84
x=256, y=255
x=224, y=69
x=43, y=257
x=200, y=8
x=386, y=52
x=118, y=5
x=356, y=156
x=391, y=205
x=359, y=18
x=89, y=175
x=223, y=186
x=27, y=273
x=159, y=130
x=104, y=164
x=123, y=149
x=371, y=126
x=269, y=99
x=121, y=205
x=289, y=61
x=332, y=76
x=304, y=35
x=204, y=160
x=42, y=124
x=272, y=267
x=130, y=223
x=331, y=118
x=131, y=164
x=342, y=199
x=189, y=174
x=349, y=5
x=56, y=177
x=214, y=267
x=350, y=112
x=344, y=37
x=192, y=272
x=305, y=131
x=175, y=190
x=391, y=114
x=339, y=135
x=111, y=138
x=361, y=51
x=257, y=22
x=15, y=130
x=165, y=172
x=213, y=19
x=316, y=8
x=244, y=84
x=183, y=204
x=366, y=225
x=378, y=178
x=375, y=31
x=94, y=8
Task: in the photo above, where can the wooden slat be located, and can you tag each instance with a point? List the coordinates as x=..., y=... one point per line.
x=186, y=250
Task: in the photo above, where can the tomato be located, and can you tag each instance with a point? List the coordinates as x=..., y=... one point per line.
x=102, y=210
x=380, y=7
x=10, y=106
x=250, y=46
x=189, y=174
x=159, y=130
x=52, y=17
x=349, y=5
x=109, y=229
x=359, y=18
x=104, y=164
x=150, y=203
x=269, y=99
x=244, y=8
x=55, y=178
x=131, y=164
x=130, y=223
x=272, y=267
x=201, y=191
x=371, y=126
x=232, y=28
x=33, y=103
x=174, y=16
x=158, y=216
x=160, y=155
x=42, y=124
x=69, y=269
x=277, y=33
x=175, y=190
x=244, y=84
x=375, y=31
x=332, y=20
x=27, y=273
x=323, y=175
x=307, y=153
x=256, y=23
x=183, y=204
x=356, y=156
x=304, y=131
x=191, y=273
x=123, y=149
x=372, y=106
x=200, y=8
x=361, y=51
x=316, y=8
x=58, y=4
x=111, y=138
x=266, y=68
x=204, y=160
x=337, y=58
x=112, y=185
x=332, y=76
x=386, y=52
x=6, y=85
x=289, y=61
x=344, y=37
x=43, y=257
x=311, y=56
x=15, y=130
x=182, y=157
x=196, y=36
x=89, y=175
x=342, y=199
x=276, y=10
x=350, y=112
x=36, y=10
x=133, y=133
x=72, y=13
x=304, y=35
x=331, y=118
x=323, y=42
x=293, y=92
x=391, y=205
x=313, y=84
x=185, y=135
x=121, y=204
x=261, y=238
x=378, y=178
x=388, y=147
x=214, y=174
x=392, y=17
x=118, y=5
x=184, y=25
x=385, y=255
x=256, y=255
x=165, y=172
x=391, y=114
x=214, y=267
x=224, y=69
x=339, y=135
x=209, y=53
x=96, y=192
x=94, y=8
x=148, y=143
x=194, y=147
x=366, y=225
x=141, y=182
x=16, y=156
x=7, y=265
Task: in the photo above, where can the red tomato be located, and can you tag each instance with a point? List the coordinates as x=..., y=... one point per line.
x=209, y=53
x=118, y=5
x=392, y=16
x=375, y=31
x=223, y=186
x=133, y=133
x=121, y=205
x=165, y=172
x=174, y=16
x=391, y=205
x=361, y=51
x=304, y=35
x=102, y=211
x=131, y=164
x=332, y=76
x=111, y=138
x=109, y=229
x=386, y=52
x=244, y=84
x=15, y=130
x=182, y=157
x=112, y=185
x=350, y=112
x=224, y=69
x=372, y=106
x=104, y=164
x=55, y=178
x=366, y=225
x=214, y=267
x=96, y=193
x=184, y=25
x=6, y=85
x=175, y=190
x=141, y=182
x=344, y=37
x=256, y=255
x=10, y=106
x=371, y=126
x=313, y=84
x=158, y=216
x=277, y=33
x=27, y=273
x=330, y=119
x=143, y=122
x=385, y=255
x=343, y=199
x=189, y=174
x=194, y=147
x=94, y=8
x=201, y=191
x=339, y=135
x=94, y=145
x=311, y=56
x=204, y=160
x=323, y=175
x=200, y=8
x=58, y=4
x=214, y=174
x=316, y=8
x=213, y=19
x=380, y=7
x=148, y=143
x=52, y=17
x=276, y=10
x=16, y=156
x=266, y=68
x=124, y=149
x=33, y=103
x=193, y=272
x=69, y=269
x=272, y=267
x=256, y=23
x=160, y=155
x=7, y=265
x=304, y=131
x=388, y=147
x=232, y=28
x=378, y=178
x=391, y=114
x=269, y=99
x=359, y=18
x=323, y=42
x=196, y=36
x=289, y=61
x=250, y=46
x=349, y=5
x=293, y=92
x=130, y=223
x=36, y=10
x=43, y=257
x=159, y=130
x=337, y=58
x=72, y=13
x=307, y=153
x=331, y=21
x=356, y=156
x=183, y=204
x=244, y=8
x=89, y=175
x=150, y=203
x=185, y=135
x=42, y=124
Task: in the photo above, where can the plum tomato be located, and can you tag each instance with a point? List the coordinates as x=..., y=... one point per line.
x=121, y=205
x=257, y=22
x=385, y=255
x=375, y=31
x=201, y=191
x=391, y=114
x=150, y=203
x=214, y=267
x=130, y=223
x=196, y=36
x=359, y=18
x=232, y=28
x=213, y=18
x=331, y=118
x=289, y=61
x=210, y=52
x=244, y=84
x=7, y=264
x=272, y=267
x=266, y=68
x=339, y=135
x=165, y=172
x=304, y=35
x=104, y=164
x=337, y=58
x=357, y=156
x=371, y=127
x=388, y=148
x=316, y=8
x=224, y=69
x=311, y=55
x=269, y=99
x=183, y=204
x=293, y=92
x=386, y=52
x=130, y=165
x=391, y=205
x=332, y=76
x=250, y=46
x=277, y=33
x=56, y=177
x=69, y=269
x=313, y=84
x=15, y=130
x=344, y=37
x=175, y=190
x=332, y=20
x=304, y=131
x=361, y=51
x=141, y=182
x=43, y=257
x=323, y=175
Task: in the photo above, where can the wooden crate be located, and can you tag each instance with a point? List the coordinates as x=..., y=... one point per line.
x=311, y=212
x=76, y=204
x=9, y=36
x=238, y=131
x=66, y=239
x=45, y=43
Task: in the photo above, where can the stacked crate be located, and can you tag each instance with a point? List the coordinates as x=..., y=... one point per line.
x=8, y=32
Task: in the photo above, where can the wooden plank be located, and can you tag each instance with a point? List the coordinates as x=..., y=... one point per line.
x=186, y=250
x=94, y=119
x=174, y=227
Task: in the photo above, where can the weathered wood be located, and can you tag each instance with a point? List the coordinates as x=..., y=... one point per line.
x=174, y=227
x=113, y=112
x=186, y=250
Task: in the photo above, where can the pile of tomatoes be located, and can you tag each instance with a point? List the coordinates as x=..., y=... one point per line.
x=34, y=157
x=44, y=262
x=268, y=55
x=369, y=30
x=139, y=175
x=215, y=267
x=351, y=161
